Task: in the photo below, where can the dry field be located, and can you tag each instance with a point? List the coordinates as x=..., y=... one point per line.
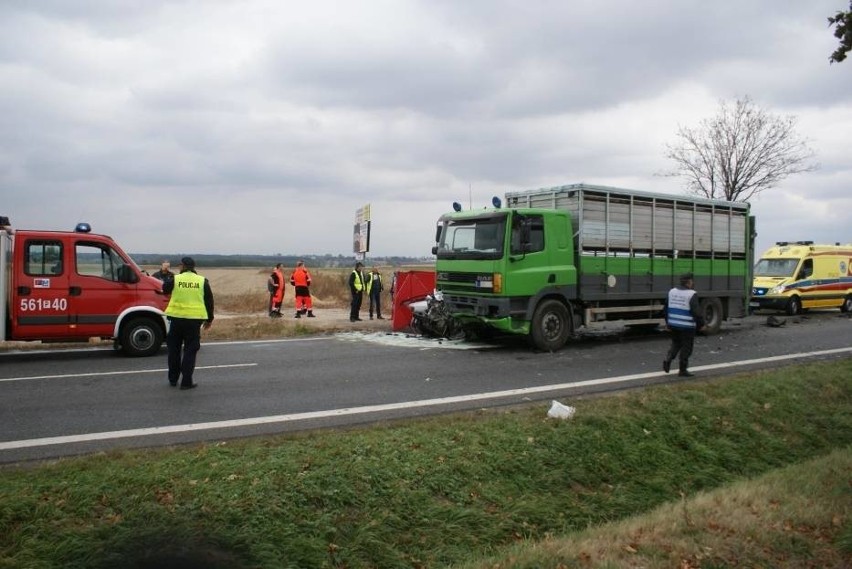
x=242, y=300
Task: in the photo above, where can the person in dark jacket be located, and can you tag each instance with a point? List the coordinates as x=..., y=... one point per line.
x=356, y=289
x=165, y=273
x=374, y=292
x=190, y=307
x=683, y=319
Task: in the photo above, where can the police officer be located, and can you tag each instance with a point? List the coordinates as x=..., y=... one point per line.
x=683, y=319
x=356, y=289
x=374, y=292
x=190, y=307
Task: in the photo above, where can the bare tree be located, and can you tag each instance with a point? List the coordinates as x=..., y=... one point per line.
x=740, y=152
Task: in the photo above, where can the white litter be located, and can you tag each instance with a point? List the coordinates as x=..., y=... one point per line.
x=560, y=411
x=411, y=340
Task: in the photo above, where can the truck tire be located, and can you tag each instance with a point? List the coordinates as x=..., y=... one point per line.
x=794, y=306
x=551, y=326
x=711, y=311
x=847, y=304
x=141, y=337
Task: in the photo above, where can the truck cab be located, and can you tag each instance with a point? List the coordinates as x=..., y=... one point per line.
x=492, y=263
x=796, y=276
x=71, y=286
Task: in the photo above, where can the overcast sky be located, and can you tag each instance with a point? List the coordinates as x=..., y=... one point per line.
x=261, y=126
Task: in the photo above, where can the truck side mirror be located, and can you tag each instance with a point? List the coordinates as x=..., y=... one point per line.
x=126, y=275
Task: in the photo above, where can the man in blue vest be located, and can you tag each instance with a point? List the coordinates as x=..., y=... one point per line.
x=683, y=319
x=190, y=307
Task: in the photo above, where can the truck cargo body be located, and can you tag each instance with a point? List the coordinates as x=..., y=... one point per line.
x=599, y=254
x=58, y=286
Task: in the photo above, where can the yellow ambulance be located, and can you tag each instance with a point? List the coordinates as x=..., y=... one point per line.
x=794, y=276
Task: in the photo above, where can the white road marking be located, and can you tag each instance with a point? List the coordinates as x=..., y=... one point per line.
x=69, y=439
x=127, y=372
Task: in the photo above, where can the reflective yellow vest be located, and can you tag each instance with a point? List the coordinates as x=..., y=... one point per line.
x=373, y=278
x=359, y=281
x=187, y=299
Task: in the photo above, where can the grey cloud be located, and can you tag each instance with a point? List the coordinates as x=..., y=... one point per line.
x=120, y=113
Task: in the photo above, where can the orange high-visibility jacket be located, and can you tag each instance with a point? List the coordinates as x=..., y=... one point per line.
x=278, y=278
x=300, y=277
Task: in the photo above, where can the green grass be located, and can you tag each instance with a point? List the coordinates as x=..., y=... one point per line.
x=796, y=516
x=431, y=492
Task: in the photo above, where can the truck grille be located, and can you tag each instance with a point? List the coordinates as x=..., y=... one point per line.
x=465, y=282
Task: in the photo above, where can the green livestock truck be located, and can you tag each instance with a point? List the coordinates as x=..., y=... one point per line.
x=555, y=261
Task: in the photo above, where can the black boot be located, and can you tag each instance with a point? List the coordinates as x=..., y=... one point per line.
x=683, y=371
x=311, y=314
x=667, y=365
x=298, y=314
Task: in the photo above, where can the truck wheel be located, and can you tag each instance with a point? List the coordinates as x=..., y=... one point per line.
x=551, y=326
x=794, y=306
x=847, y=304
x=141, y=337
x=711, y=311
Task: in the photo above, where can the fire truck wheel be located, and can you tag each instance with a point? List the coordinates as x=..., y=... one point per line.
x=794, y=306
x=847, y=304
x=141, y=337
x=551, y=326
x=711, y=310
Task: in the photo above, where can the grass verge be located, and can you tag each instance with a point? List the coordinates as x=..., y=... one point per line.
x=449, y=490
x=797, y=516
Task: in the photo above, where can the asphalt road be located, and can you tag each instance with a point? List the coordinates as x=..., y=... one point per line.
x=61, y=403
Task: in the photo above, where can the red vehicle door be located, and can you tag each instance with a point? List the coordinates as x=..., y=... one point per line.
x=97, y=294
x=40, y=307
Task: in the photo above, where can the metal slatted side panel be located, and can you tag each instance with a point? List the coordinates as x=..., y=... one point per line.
x=612, y=221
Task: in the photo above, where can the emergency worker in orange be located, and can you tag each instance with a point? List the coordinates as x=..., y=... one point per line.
x=301, y=281
x=275, y=285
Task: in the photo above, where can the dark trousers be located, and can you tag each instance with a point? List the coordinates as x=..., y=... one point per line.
x=683, y=340
x=355, y=306
x=375, y=300
x=184, y=341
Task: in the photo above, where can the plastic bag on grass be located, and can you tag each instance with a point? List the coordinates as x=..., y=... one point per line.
x=560, y=411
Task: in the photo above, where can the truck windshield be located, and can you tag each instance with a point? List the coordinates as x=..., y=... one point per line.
x=775, y=267
x=477, y=238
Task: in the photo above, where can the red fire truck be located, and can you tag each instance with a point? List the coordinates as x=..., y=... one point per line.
x=68, y=286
